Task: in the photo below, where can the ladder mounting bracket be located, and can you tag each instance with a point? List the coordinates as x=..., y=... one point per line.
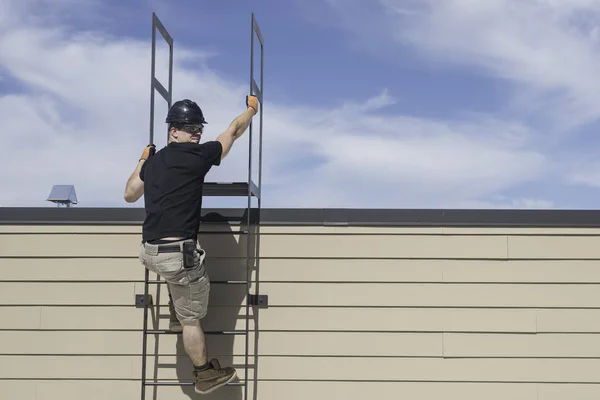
x=259, y=300
x=140, y=302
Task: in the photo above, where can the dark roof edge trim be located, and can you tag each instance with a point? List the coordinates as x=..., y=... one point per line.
x=315, y=217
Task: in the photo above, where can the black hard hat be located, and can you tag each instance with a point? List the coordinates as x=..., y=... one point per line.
x=185, y=112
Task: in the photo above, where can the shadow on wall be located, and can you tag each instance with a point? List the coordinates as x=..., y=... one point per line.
x=226, y=313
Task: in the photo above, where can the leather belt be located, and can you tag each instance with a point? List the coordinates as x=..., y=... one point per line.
x=166, y=247
x=169, y=248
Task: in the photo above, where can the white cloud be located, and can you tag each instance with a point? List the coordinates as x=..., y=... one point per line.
x=380, y=161
x=547, y=48
x=586, y=171
x=83, y=119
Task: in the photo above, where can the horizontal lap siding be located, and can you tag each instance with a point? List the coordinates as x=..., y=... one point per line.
x=271, y=390
x=272, y=245
x=464, y=313
x=317, y=270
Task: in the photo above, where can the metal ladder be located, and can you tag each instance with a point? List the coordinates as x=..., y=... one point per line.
x=251, y=217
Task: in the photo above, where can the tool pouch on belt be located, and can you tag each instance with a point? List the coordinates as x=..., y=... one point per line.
x=189, y=251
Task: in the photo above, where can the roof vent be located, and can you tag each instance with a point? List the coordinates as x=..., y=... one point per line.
x=63, y=195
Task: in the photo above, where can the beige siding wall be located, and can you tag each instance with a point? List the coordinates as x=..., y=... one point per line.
x=354, y=313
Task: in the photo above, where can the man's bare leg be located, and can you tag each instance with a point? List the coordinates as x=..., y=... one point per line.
x=209, y=374
x=194, y=343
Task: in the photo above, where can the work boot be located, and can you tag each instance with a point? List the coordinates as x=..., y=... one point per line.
x=213, y=378
x=174, y=324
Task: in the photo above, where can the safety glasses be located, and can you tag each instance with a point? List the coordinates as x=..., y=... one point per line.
x=193, y=129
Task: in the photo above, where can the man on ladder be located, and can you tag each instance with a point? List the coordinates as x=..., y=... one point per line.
x=171, y=181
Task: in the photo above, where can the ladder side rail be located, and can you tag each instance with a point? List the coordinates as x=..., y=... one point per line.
x=167, y=95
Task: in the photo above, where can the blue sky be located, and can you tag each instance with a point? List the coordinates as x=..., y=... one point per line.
x=369, y=103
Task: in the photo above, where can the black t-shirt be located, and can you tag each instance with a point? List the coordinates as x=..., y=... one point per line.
x=173, y=180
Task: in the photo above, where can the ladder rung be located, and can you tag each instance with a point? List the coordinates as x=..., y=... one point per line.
x=188, y=383
x=160, y=282
x=169, y=332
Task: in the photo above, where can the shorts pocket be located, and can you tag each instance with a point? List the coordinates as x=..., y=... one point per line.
x=170, y=267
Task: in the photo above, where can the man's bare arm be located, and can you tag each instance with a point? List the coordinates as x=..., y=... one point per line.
x=238, y=126
x=135, y=185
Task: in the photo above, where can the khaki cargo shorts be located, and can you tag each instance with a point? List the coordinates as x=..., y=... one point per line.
x=189, y=287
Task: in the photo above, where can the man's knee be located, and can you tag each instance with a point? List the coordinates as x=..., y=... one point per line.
x=191, y=322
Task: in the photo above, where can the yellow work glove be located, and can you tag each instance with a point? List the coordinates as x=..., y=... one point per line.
x=148, y=152
x=252, y=102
